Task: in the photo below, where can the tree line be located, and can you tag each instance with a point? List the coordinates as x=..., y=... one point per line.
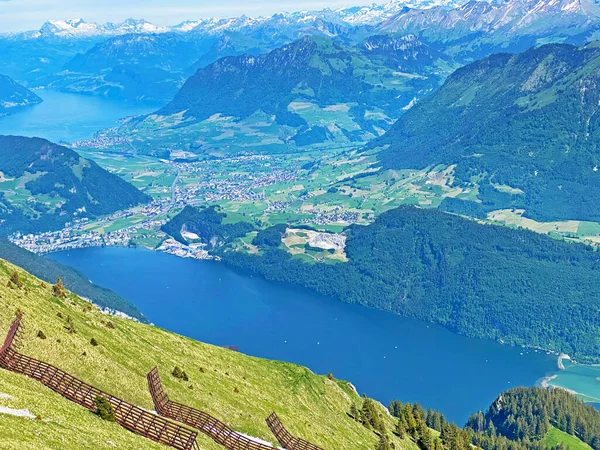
x=519, y=419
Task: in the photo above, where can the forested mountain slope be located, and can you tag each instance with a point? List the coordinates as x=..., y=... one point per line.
x=520, y=418
x=13, y=96
x=485, y=281
x=44, y=185
x=311, y=68
x=530, y=414
x=312, y=91
x=523, y=128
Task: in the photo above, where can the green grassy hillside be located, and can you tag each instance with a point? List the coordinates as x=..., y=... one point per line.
x=240, y=390
x=556, y=437
x=49, y=270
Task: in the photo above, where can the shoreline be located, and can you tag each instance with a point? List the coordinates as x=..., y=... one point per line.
x=169, y=246
x=197, y=252
x=549, y=378
x=545, y=381
x=562, y=356
x=175, y=248
x=553, y=382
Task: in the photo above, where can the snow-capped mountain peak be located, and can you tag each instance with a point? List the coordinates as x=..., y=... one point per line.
x=377, y=13
x=80, y=28
x=71, y=27
x=188, y=25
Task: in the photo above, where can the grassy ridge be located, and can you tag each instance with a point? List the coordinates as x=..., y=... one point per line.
x=238, y=389
x=60, y=424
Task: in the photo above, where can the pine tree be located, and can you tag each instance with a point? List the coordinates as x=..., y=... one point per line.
x=58, y=290
x=400, y=428
x=409, y=418
x=371, y=416
x=104, y=408
x=424, y=440
x=429, y=419
x=395, y=408
x=491, y=429
x=419, y=412
x=15, y=280
x=384, y=442
x=354, y=412
x=476, y=422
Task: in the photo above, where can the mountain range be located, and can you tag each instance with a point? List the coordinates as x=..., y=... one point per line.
x=360, y=15
x=315, y=90
x=449, y=19
x=479, y=28
x=81, y=57
x=140, y=67
x=77, y=28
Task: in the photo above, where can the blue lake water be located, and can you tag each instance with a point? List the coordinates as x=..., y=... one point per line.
x=69, y=117
x=386, y=356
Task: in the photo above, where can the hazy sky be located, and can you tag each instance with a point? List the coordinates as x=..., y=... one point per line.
x=16, y=15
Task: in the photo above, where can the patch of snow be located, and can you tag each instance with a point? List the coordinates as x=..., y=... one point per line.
x=412, y=103
x=16, y=412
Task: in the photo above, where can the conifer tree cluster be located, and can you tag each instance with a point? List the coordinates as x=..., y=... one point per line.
x=527, y=414
x=371, y=416
x=416, y=424
x=420, y=426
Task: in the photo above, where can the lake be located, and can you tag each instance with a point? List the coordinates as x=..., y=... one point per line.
x=69, y=117
x=386, y=356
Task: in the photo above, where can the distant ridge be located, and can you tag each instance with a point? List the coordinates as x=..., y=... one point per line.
x=13, y=96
